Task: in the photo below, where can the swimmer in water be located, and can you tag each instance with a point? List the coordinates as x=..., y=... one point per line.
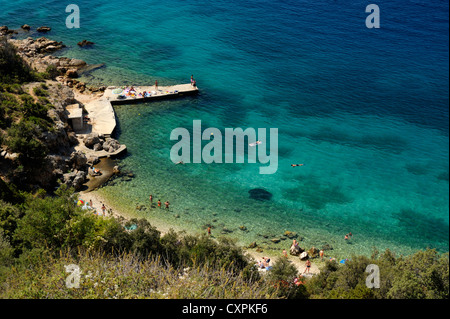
x=254, y=144
x=295, y=165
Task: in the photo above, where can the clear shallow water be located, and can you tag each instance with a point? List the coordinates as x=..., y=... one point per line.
x=365, y=110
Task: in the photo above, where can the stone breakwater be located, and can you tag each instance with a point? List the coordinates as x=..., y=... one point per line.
x=66, y=161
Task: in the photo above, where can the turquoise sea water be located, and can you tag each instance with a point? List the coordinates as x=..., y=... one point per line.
x=365, y=110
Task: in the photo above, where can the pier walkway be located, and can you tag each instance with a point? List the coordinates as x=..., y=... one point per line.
x=101, y=111
x=119, y=95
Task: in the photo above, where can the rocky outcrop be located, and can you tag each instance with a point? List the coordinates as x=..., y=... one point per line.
x=44, y=29
x=295, y=250
x=111, y=145
x=91, y=139
x=36, y=54
x=4, y=30
x=78, y=160
x=33, y=52
x=304, y=256
x=75, y=179
x=93, y=160
x=72, y=73
x=313, y=252
x=26, y=27
x=85, y=43
x=98, y=142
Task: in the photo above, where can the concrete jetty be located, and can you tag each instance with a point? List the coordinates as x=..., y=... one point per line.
x=120, y=95
x=102, y=118
x=101, y=111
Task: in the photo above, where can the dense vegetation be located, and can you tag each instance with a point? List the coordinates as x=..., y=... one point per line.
x=14, y=69
x=41, y=234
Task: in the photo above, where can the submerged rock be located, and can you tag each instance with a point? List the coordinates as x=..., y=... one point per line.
x=44, y=29
x=226, y=230
x=85, y=43
x=253, y=245
x=290, y=235
x=260, y=194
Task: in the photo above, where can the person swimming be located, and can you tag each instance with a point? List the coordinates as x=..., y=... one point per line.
x=254, y=144
x=295, y=165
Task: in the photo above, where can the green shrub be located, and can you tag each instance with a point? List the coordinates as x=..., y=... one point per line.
x=12, y=68
x=13, y=88
x=10, y=194
x=281, y=279
x=23, y=139
x=51, y=72
x=40, y=91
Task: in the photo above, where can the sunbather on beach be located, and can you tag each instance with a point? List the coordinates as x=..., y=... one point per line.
x=95, y=171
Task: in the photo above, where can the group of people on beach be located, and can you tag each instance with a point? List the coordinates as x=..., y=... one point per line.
x=90, y=206
x=159, y=203
x=295, y=244
x=264, y=263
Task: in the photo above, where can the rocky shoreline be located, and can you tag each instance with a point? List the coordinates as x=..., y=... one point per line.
x=36, y=52
x=65, y=163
